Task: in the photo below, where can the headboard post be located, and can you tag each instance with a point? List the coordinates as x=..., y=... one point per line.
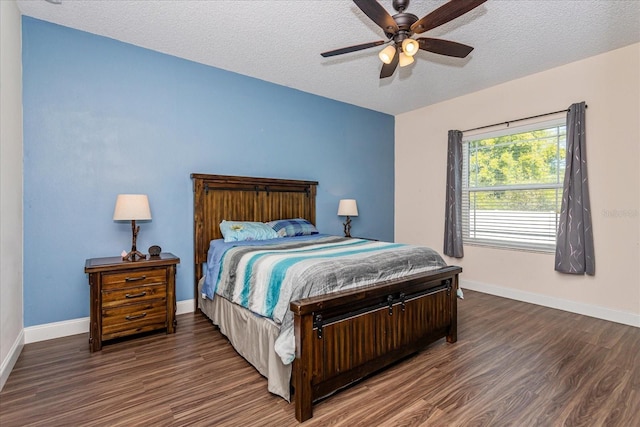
x=198, y=196
x=239, y=198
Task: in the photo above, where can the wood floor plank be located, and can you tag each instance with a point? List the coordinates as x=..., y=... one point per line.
x=515, y=364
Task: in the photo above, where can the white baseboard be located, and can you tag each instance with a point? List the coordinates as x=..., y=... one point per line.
x=12, y=357
x=65, y=328
x=185, y=306
x=626, y=318
x=49, y=331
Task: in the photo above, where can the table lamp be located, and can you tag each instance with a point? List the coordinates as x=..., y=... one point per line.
x=132, y=207
x=348, y=208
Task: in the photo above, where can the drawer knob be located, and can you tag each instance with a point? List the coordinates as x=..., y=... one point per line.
x=134, y=279
x=139, y=316
x=141, y=294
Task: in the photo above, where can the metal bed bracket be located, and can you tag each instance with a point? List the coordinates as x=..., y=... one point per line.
x=317, y=324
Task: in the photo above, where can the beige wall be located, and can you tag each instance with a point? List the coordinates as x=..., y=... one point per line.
x=11, y=325
x=610, y=85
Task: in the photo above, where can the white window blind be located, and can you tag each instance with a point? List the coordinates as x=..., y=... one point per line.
x=512, y=186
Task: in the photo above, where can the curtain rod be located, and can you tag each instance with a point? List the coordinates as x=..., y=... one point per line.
x=518, y=120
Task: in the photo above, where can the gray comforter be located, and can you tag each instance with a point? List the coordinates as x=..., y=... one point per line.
x=266, y=278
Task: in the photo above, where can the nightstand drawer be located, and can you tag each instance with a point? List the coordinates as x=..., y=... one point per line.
x=133, y=318
x=116, y=297
x=134, y=278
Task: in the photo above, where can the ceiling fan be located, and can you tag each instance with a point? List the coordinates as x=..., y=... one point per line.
x=400, y=28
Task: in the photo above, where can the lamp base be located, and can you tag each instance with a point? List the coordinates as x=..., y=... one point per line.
x=131, y=256
x=347, y=227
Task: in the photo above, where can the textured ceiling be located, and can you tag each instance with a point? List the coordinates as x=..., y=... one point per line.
x=280, y=41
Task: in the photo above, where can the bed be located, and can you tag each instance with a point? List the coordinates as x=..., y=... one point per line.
x=338, y=338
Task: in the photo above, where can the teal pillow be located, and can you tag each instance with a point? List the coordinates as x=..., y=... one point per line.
x=239, y=231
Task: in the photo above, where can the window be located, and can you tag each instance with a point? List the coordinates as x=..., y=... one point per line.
x=512, y=186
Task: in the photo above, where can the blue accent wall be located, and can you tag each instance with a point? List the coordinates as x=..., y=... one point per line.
x=103, y=117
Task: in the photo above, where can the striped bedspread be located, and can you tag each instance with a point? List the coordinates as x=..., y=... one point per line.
x=265, y=278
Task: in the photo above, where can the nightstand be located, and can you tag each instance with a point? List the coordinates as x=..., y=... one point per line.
x=130, y=297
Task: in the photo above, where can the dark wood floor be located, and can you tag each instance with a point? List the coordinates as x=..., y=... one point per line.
x=514, y=364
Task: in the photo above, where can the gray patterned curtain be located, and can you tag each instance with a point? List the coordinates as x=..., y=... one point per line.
x=453, y=208
x=574, y=245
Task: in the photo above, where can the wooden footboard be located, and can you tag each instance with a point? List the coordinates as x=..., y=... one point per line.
x=345, y=336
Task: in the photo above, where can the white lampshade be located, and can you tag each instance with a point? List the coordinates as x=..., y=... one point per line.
x=410, y=47
x=348, y=207
x=387, y=54
x=405, y=60
x=132, y=207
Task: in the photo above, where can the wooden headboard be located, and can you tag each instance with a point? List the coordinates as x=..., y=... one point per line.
x=239, y=198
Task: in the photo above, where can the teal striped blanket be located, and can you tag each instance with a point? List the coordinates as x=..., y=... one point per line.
x=266, y=278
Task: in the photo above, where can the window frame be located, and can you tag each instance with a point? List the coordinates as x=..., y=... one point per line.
x=504, y=243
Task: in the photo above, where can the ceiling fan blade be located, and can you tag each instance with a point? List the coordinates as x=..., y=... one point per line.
x=378, y=14
x=388, y=69
x=445, y=13
x=352, y=48
x=444, y=47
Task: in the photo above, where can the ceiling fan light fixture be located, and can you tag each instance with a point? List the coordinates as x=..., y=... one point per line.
x=410, y=47
x=400, y=28
x=405, y=59
x=386, y=55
